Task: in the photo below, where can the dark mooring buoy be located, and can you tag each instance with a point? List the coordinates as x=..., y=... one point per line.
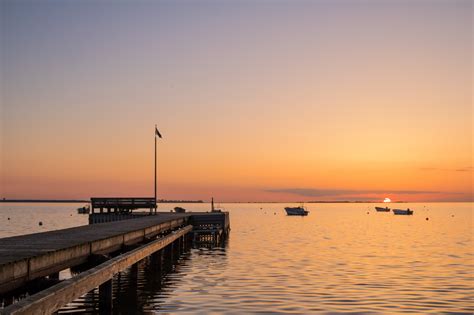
x=40, y=223
x=427, y=219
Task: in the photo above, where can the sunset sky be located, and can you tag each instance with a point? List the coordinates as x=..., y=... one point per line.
x=256, y=100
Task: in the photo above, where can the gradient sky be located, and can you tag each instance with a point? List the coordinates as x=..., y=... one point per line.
x=256, y=100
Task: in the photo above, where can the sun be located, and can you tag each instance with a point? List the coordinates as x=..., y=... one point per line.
x=387, y=200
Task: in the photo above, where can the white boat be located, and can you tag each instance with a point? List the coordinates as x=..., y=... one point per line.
x=380, y=209
x=296, y=211
x=402, y=212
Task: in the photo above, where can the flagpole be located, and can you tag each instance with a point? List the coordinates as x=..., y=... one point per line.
x=154, y=136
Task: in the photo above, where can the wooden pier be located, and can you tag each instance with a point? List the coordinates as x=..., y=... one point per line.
x=29, y=257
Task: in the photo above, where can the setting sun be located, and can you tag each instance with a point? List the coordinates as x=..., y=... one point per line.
x=387, y=200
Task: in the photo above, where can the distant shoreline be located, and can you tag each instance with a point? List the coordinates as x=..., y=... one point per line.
x=201, y=201
x=45, y=200
x=84, y=201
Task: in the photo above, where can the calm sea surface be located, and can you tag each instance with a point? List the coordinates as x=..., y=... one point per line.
x=339, y=259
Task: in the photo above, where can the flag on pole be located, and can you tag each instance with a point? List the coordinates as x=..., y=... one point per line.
x=157, y=133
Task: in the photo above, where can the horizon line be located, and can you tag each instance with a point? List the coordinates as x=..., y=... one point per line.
x=32, y=200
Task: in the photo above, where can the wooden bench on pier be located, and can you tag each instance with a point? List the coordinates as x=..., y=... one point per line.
x=122, y=204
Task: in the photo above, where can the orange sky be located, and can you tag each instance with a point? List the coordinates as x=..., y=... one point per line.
x=256, y=101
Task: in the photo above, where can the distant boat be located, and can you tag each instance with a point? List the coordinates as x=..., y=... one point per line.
x=380, y=209
x=296, y=211
x=179, y=210
x=402, y=212
x=84, y=210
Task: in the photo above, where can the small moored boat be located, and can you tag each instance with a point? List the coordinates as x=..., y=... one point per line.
x=84, y=210
x=296, y=211
x=380, y=209
x=402, y=212
x=179, y=210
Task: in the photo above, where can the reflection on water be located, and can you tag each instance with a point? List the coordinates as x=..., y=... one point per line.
x=337, y=259
x=145, y=287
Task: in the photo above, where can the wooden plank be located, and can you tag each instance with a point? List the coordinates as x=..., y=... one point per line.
x=53, y=298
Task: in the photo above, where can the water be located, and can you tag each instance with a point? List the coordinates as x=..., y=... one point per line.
x=339, y=259
x=24, y=218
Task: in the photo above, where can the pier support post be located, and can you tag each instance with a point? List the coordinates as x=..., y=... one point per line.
x=132, y=290
x=172, y=254
x=180, y=247
x=183, y=243
x=105, y=297
x=156, y=262
x=176, y=249
x=190, y=238
x=134, y=273
x=168, y=256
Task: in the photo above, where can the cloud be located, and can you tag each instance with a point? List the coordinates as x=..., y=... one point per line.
x=464, y=169
x=311, y=192
x=461, y=169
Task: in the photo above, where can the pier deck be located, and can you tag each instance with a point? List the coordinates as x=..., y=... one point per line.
x=18, y=247
x=24, y=258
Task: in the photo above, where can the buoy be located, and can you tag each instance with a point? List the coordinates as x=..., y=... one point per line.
x=367, y=212
x=274, y=213
x=427, y=219
x=8, y=219
x=40, y=223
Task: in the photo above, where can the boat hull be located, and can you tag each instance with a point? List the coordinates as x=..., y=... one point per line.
x=402, y=212
x=296, y=211
x=380, y=209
